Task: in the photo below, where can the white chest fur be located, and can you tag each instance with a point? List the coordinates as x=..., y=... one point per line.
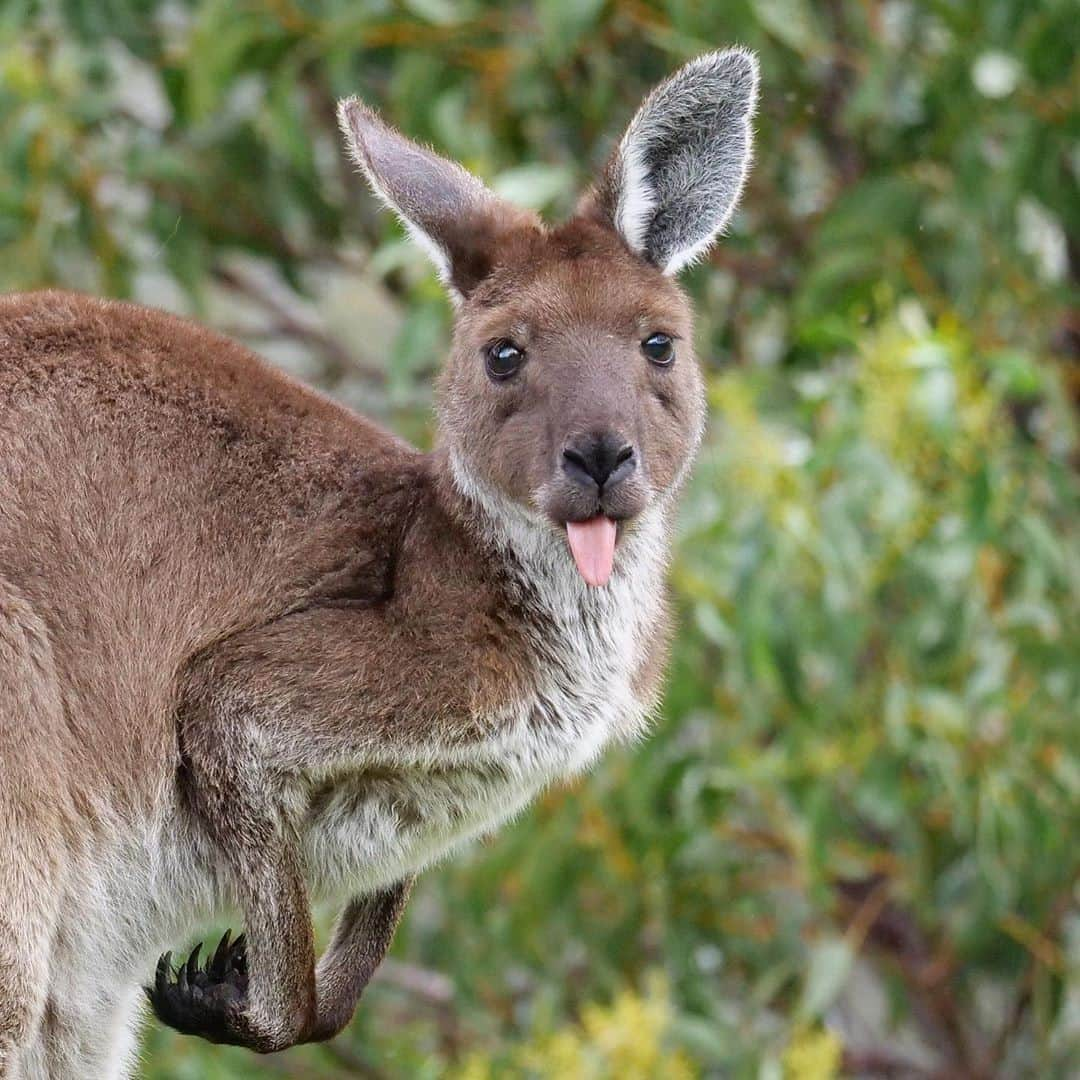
x=397, y=817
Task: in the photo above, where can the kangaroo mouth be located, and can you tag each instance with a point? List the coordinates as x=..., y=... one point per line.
x=592, y=543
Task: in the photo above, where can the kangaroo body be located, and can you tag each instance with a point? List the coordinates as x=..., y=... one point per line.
x=110, y=587
x=254, y=649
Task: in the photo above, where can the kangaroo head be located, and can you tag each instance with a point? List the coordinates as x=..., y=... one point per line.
x=572, y=388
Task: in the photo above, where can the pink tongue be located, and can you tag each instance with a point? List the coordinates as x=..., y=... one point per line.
x=593, y=545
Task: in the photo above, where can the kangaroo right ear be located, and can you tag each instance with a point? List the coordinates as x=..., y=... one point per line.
x=456, y=220
x=676, y=176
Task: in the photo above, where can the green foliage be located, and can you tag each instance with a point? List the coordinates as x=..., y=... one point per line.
x=849, y=841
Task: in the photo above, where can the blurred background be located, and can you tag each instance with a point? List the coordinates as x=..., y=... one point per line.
x=852, y=845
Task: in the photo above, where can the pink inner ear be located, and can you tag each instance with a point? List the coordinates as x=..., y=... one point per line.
x=592, y=544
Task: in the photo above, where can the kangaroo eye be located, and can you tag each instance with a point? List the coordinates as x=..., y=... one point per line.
x=503, y=359
x=659, y=348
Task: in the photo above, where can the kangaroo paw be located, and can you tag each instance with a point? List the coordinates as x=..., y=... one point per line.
x=208, y=1000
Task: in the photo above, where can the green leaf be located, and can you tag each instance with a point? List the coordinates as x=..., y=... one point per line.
x=565, y=23
x=830, y=964
x=534, y=186
x=793, y=22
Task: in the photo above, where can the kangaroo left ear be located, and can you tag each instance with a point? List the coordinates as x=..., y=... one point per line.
x=675, y=178
x=458, y=222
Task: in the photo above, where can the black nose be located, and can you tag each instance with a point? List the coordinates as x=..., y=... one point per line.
x=601, y=459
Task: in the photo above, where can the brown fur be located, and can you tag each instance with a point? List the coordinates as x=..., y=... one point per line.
x=183, y=523
x=232, y=610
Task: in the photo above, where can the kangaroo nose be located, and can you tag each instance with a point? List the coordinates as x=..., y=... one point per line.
x=601, y=459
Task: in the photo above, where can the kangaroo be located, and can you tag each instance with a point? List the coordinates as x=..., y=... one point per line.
x=255, y=650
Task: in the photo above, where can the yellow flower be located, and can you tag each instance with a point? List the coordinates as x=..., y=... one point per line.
x=813, y=1054
x=625, y=1040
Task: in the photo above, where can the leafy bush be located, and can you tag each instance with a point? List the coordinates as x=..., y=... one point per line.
x=849, y=843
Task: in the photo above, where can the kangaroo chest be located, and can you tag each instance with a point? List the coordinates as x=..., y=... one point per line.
x=382, y=823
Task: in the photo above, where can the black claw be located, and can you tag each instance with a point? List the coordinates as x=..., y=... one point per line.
x=238, y=956
x=219, y=963
x=163, y=972
x=208, y=999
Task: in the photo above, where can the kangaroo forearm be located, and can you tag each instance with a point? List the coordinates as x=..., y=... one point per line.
x=361, y=939
x=281, y=1003
x=266, y=999
x=258, y=992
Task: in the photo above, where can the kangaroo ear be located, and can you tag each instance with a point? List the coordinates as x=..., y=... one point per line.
x=674, y=179
x=446, y=210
